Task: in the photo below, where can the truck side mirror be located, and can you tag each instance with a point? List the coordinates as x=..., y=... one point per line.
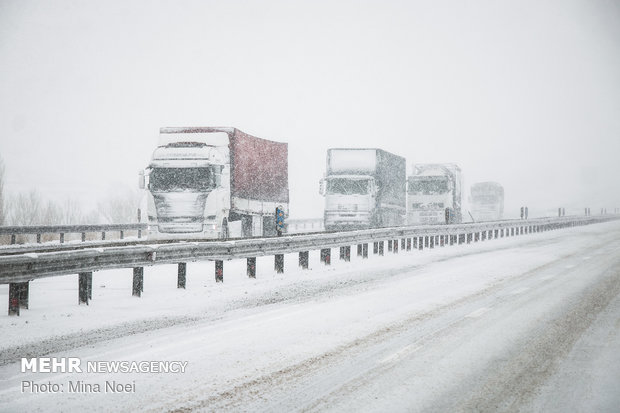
x=322, y=185
x=141, y=180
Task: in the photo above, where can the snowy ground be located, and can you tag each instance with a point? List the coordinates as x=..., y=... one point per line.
x=526, y=323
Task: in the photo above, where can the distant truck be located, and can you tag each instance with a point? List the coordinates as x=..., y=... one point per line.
x=487, y=201
x=364, y=188
x=434, y=194
x=215, y=182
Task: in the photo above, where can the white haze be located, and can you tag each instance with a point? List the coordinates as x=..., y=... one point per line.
x=525, y=93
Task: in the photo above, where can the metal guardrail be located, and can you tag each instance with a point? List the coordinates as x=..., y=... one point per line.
x=24, y=267
x=17, y=270
x=13, y=231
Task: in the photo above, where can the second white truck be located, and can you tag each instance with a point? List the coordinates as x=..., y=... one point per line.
x=364, y=188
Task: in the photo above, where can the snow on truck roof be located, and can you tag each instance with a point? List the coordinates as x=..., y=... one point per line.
x=196, y=129
x=209, y=135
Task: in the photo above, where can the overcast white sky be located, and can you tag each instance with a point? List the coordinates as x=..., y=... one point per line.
x=526, y=93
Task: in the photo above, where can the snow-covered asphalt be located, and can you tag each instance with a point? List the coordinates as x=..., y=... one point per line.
x=528, y=323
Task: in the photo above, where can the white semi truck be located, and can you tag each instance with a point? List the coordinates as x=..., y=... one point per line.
x=487, y=201
x=363, y=188
x=214, y=182
x=434, y=194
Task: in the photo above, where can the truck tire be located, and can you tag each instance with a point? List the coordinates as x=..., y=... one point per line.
x=246, y=226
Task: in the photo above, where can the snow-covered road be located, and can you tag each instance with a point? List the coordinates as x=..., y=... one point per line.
x=526, y=323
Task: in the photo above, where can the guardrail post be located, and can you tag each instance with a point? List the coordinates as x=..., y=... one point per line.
x=38, y=238
x=408, y=244
x=102, y=235
x=326, y=256
x=303, y=259
x=138, y=281
x=83, y=288
x=389, y=245
x=395, y=246
x=359, y=250
x=89, y=281
x=219, y=271
x=122, y=234
x=365, y=250
x=14, y=298
x=22, y=291
x=251, y=267
x=279, y=263
x=381, y=247
x=181, y=275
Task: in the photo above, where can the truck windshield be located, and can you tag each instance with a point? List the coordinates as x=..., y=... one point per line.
x=347, y=186
x=182, y=179
x=486, y=199
x=428, y=186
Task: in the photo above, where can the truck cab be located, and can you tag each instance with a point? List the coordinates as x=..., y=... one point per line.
x=349, y=201
x=487, y=201
x=434, y=193
x=185, y=183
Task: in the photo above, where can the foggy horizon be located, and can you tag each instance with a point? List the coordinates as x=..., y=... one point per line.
x=524, y=94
